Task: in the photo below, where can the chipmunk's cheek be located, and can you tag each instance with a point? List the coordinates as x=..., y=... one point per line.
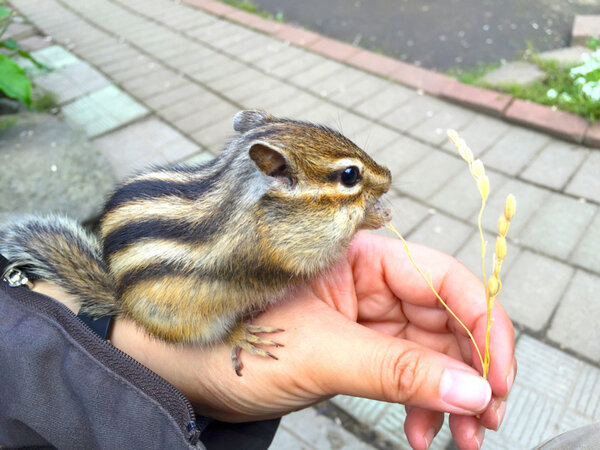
x=376, y=216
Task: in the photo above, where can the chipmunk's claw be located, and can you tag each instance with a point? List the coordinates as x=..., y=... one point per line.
x=243, y=338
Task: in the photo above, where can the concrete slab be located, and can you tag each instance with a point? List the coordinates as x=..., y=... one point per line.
x=587, y=252
x=442, y=233
x=568, y=56
x=586, y=182
x=517, y=72
x=55, y=57
x=50, y=167
x=555, y=165
x=585, y=27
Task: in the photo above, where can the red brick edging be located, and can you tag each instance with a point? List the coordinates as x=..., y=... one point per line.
x=562, y=124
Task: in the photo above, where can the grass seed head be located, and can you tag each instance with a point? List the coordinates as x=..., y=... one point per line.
x=483, y=184
x=493, y=286
x=510, y=207
x=500, y=247
x=503, y=225
x=478, y=169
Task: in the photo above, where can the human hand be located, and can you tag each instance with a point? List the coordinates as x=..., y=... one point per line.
x=371, y=328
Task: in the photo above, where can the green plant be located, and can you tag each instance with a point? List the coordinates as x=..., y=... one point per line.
x=248, y=6
x=593, y=43
x=14, y=82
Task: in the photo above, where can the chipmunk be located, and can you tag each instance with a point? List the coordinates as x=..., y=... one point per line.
x=189, y=253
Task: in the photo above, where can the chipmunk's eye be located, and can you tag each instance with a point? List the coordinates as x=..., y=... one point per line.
x=350, y=176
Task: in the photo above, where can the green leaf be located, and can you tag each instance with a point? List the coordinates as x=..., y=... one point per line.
x=13, y=81
x=10, y=44
x=4, y=12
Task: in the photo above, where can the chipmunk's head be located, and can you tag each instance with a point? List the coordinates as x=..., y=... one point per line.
x=320, y=180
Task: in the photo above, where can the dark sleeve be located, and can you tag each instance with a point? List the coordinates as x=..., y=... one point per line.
x=63, y=386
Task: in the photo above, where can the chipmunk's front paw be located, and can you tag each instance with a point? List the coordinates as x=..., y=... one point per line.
x=243, y=337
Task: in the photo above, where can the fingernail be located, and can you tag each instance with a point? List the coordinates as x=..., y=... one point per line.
x=511, y=377
x=428, y=437
x=464, y=390
x=500, y=413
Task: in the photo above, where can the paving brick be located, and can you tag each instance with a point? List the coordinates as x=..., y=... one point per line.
x=559, y=123
x=586, y=182
x=149, y=85
x=297, y=36
x=399, y=155
x=319, y=431
x=364, y=410
x=516, y=72
x=315, y=73
x=234, y=79
x=514, y=150
x=244, y=91
x=414, y=111
x=213, y=7
x=295, y=105
x=286, y=440
x=568, y=56
x=331, y=86
x=555, y=165
x=480, y=133
x=485, y=100
x=434, y=129
x=274, y=96
x=333, y=48
x=332, y=116
x=585, y=27
x=372, y=62
x=460, y=197
x=265, y=48
x=587, y=252
x=441, y=232
x=255, y=22
x=18, y=31
x=429, y=81
x=470, y=255
x=72, y=81
x=205, y=117
x=214, y=69
x=215, y=136
x=201, y=100
x=391, y=427
x=585, y=397
x=592, y=135
x=55, y=57
x=558, y=226
x=575, y=324
x=363, y=88
x=382, y=102
x=296, y=65
x=529, y=200
x=429, y=174
x=145, y=143
x=103, y=110
x=32, y=43
x=407, y=214
x=374, y=137
x=285, y=54
x=533, y=287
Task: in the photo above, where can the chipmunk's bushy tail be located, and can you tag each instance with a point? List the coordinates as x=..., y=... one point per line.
x=59, y=250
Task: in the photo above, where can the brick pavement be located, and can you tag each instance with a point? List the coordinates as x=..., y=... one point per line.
x=165, y=80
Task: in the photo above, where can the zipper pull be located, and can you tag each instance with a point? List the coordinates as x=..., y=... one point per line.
x=16, y=278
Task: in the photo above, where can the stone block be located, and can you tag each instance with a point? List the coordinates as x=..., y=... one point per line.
x=315, y=73
x=372, y=62
x=164, y=99
x=585, y=27
x=587, y=252
x=32, y=43
x=480, y=133
x=214, y=136
x=380, y=103
x=331, y=86
x=151, y=84
x=428, y=81
x=568, y=56
x=334, y=49
x=297, y=36
x=429, y=174
x=558, y=226
x=514, y=150
x=51, y=167
x=434, y=129
x=550, y=120
x=554, y=165
x=399, y=156
x=586, y=182
x=296, y=65
x=266, y=100
x=533, y=287
x=517, y=72
x=474, y=97
x=72, y=81
x=203, y=118
x=442, y=233
x=407, y=214
x=575, y=324
x=55, y=57
x=409, y=114
x=357, y=92
x=375, y=137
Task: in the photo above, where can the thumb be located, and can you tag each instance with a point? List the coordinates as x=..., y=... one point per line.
x=365, y=363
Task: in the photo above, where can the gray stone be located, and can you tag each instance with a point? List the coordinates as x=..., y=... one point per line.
x=434, y=129
x=380, y=103
x=587, y=252
x=514, y=150
x=517, y=72
x=575, y=324
x=406, y=213
x=47, y=166
x=557, y=227
x=366, y=87
x=554, y=165
x=480, y=133
x=442, y=233
x=532, y=288
x=412, y=112
x=568, y=56
x=586, y=182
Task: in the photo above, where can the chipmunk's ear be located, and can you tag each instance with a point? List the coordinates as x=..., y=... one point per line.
x=247, y=120
x=272, y=162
